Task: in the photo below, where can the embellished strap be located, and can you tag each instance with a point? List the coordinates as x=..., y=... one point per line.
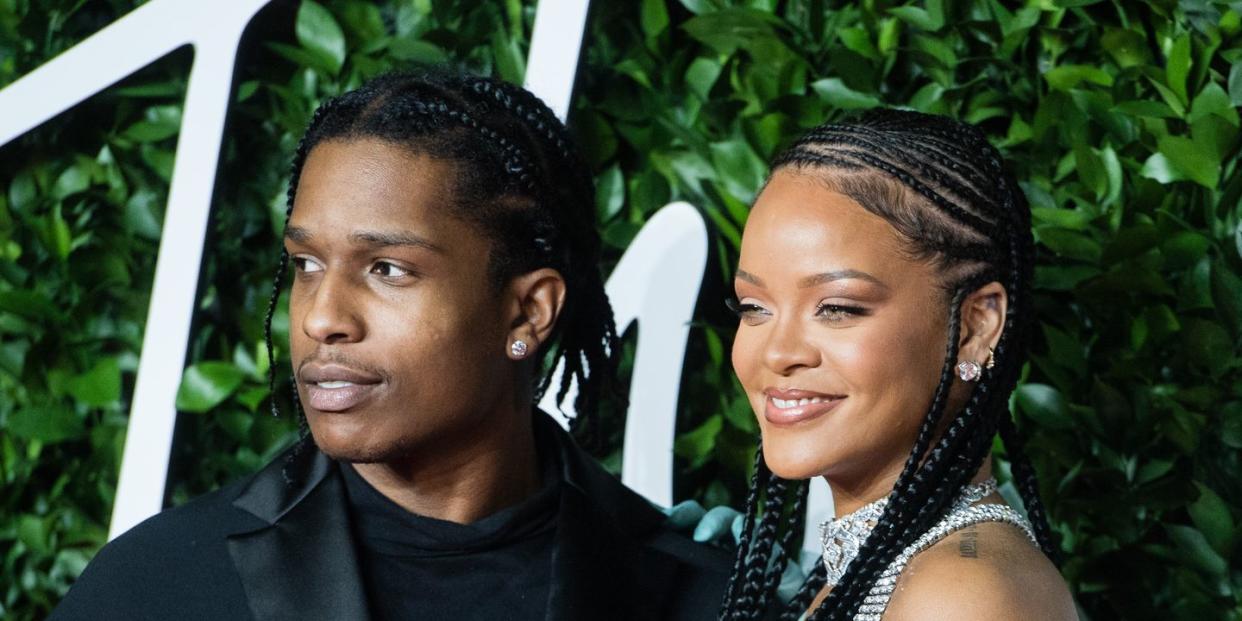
x=877, y=599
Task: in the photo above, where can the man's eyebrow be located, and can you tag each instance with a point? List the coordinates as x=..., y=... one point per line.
x=826, y=277
x=392, y=238
x=369, y=238
x=298, y=234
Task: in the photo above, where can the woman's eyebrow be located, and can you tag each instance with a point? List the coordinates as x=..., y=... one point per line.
x=847, y=274
x=748, y=277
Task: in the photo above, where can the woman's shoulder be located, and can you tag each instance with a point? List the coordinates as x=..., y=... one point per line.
x=985, y=571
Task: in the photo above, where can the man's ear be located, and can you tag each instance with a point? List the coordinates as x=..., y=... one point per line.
x=535, y=300
x=982, y=322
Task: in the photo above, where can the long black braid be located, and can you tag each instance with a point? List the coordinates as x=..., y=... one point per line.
x=520, y=181
x=944, y=188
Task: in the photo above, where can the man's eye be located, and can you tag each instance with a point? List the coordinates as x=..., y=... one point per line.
x=388, y=270
x=305, y=265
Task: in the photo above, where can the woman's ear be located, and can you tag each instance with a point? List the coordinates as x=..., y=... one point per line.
x=535, y=302
x=983, y=321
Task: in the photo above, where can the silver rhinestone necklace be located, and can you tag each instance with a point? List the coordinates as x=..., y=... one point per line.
x=843, y=536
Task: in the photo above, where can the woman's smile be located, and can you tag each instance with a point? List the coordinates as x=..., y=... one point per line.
x=784, y=407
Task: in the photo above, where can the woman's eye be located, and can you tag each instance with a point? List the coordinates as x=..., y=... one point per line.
x=388, y=270
x=747, y=312
x=304, y=265
x=838, y=312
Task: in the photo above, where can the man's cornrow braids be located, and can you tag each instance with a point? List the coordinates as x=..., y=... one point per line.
x=420, y=111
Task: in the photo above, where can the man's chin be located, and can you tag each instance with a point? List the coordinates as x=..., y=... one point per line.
x=348, y=447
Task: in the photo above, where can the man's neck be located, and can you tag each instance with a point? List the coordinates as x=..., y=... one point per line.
x=467, y=481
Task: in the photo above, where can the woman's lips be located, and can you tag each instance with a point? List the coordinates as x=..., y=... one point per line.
x=790, y=407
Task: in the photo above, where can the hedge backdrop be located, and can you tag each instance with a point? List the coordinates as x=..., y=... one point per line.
x=1121, y=120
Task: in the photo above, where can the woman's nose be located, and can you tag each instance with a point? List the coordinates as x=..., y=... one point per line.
x=787, y=348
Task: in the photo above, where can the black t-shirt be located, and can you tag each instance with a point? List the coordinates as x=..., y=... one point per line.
x=416, y=567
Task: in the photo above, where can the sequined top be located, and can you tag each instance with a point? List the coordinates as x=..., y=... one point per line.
x=959, y=517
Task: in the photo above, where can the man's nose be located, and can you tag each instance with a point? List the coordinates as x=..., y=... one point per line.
x=332, y=317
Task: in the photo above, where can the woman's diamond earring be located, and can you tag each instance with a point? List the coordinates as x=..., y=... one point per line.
x=519, y=349
x=969, y=371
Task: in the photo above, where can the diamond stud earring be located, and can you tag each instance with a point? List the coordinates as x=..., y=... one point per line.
x=519, y=349
x=969, y=371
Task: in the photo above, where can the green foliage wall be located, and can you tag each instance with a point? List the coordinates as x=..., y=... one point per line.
x=1120, y=119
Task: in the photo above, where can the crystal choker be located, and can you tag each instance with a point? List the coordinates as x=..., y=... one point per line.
x=843, y=536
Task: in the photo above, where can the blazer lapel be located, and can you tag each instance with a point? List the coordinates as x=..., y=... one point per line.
x=601, y=565
x=302, y=565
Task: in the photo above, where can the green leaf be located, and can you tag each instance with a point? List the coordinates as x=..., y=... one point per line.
x=142, y=214
x=740, y=170
x=838, y=95
x=99, y=386
x=417, y=50
x=510, y=59
x=33, y=533
x=919, y=18
x=1127, y=47
x=48, y=423
x=653, y=16
x=1153, y=109
x=1226, y=289
x=1235, y=84
x=1211, y=516
x=74, y=179
x=1207, y=344
x=1195, y=550
x=609, y=193
x=23, y=192
x=697, y=445
x=57, y=238
x=726, y=31
x=1183, y=159
x=1185, y=249
x=702, y=75
x=1045, y=405
x=251, y=398
x=1090, y=168
x=1198, y=162
x=206, y=384
x=1177, y=67
x=859, y=40
x=158, y=123
x=1213, y=100
x=317, y=31
x=1231, y=424
x=1072, y=219
x=1067, y=77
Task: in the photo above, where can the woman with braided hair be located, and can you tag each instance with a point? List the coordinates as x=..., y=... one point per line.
x=441, y=237
x=883, y=290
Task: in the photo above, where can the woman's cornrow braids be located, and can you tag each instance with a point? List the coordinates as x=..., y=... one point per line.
x=980, y=227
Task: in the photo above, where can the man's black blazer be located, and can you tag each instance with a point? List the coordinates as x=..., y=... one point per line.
x=278, y=546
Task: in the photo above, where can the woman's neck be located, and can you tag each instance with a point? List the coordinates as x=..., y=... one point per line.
x=851, y=493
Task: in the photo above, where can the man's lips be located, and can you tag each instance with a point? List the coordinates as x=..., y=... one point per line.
x=788, y=406
x=332, y=387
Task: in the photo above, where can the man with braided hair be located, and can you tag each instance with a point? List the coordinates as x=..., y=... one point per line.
x=883, y=292
x=441, y=237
